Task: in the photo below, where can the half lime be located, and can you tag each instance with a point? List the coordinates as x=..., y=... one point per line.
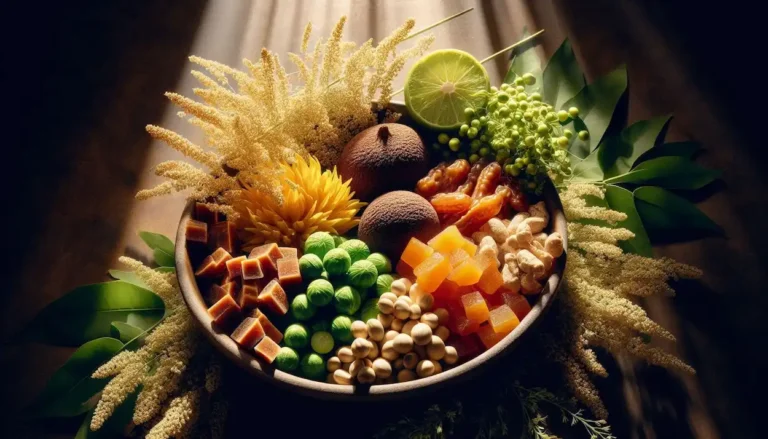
x=441, y=85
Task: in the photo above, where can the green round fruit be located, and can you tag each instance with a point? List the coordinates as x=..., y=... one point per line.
x=341, y=329
x=338, y=240
x=370, y=309
x=310, y=266
x=382, y=263
x=337, y=262
x=296, y=336
x=322, y=342
x=384, y=284
x=287, y=360
x=319, y=243
x=302, y=308
x=356, y=248
x=346, y=299
x=362, y=274
x=320, y=292
x=313, y=366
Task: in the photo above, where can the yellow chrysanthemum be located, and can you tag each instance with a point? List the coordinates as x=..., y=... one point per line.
x=313, y=200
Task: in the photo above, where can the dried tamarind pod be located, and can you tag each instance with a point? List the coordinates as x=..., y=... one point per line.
x=443, y=178
x=430, y=184
x=517, y=199
x=451, y=203
x=481, y=211
x=474, y=173
x=487, y=181
x=455, y=174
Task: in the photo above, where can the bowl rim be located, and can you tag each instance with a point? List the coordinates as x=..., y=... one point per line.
x=221, y=340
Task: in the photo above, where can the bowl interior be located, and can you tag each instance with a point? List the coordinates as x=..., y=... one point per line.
x=229, y=348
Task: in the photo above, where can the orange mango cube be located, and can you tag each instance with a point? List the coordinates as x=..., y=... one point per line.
x=469, y=247
x=467, y=273
x=475, y=307
x=491, y=280
x=416, y=252
x=449, y=291
x=432, y=272
x=458, y=256
x=488, y=336
x=462, y=326
x=503, y=320
x=448, y=240
x=517, y=303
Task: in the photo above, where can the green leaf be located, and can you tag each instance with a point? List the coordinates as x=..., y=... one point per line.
x=579, y=148
x=587, y=170
x=668, y=172
x=621, y=200
x=125, y=332
x=562, y=78
x=71, y=387
x=524, y=59
x=128, y=276
x=619, y=153
x=596, y=103
x=661, y=209
x=674, y=149
x=166, y=269
x=87, y=313
x=164, y=259
x=157, y=241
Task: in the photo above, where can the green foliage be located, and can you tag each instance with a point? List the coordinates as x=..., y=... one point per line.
x=162, y=248
x=674, y=149
x=70, y=389
x=622, y=200
x=663, y=210
x=619, y=153
x=668, y=172
x=125, y=332
x=562, y=78
x=87, y=313
x=128, y=276
x=524, y=60
x=437, y=422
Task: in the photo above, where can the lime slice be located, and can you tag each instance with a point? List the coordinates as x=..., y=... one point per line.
x=441, y=85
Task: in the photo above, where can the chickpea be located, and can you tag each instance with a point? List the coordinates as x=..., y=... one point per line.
x=366, y=375
x=403, y=343
x=375, y=329
x=421, y=334
x=451, y=356
x=442, y=316
x=359, y=365
x=390, y=335
x=443, y=332
x=386, y=306
x=361, y=347
x=333, y=364
x=374, y=353
x=408, y=327
x=400, y=286
x=436, y=348
x=345, y=354
x=402, y=309
x=415, y=312
x=385, y=320
x=345, y=366
x=342, y=377
x=415, y=291
x=388, y=351
x=406, y=299
x=382, y=368
x=405, y=375
x=397, y=325
x=425, y=368
x=389, y=296
x=410, y=360
x=430, y=319
x=438, y=367
x=359, y=329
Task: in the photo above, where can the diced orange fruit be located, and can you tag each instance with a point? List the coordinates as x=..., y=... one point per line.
x=491, y=280
x=288, y=271
x=517, y=303
x=448, y=240
x=462, y=325
x=196, y=231
x=404, y=270
x=269, y=329
x=488, y=337
x=475, y=307
x=449, y=291
x=485, y=260
x=248, y=333
x=267, y=350
x=416, y=252
x=205, y=214
x=224, y=311
x=467, y=273
x=458, y=256
x=235, y=267
x=273, y=297
x=469, y=247
x=503, y=320
x=432, y=272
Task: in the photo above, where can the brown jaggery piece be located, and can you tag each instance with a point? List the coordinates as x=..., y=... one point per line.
x=205, y=214
x=273, y=297
x=249, y=295
x=235, y=267
x=215, y=293
x=251, y=269
x=248, y=333
x=230, y=287
x=267, y=350
x=214, y=264
x=288, y=271
x=196, y=231
x=487, y=181
x=267, y=254
x=269, y=329
x=289, y=252
x=224, y=310
x=223, y=234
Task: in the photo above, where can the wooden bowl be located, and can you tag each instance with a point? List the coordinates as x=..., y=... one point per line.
x=246, y=360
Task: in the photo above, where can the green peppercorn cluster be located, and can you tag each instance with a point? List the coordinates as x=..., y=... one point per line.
x=517, y=130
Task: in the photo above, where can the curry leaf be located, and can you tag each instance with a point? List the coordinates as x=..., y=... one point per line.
x=125, y=332
x=661, y=209
x=71, y=387
x=579, y=148
x=619, y=153
x=157, y=241
x=622, y=200
x=163, y=258
x=675, y=149
x=562, y=78
x=587, y=170
x=668, y=172
x=128, y=276
x=524, y=59
x=87, y=312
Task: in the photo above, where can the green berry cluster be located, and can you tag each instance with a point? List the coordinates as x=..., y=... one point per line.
x=519, y=131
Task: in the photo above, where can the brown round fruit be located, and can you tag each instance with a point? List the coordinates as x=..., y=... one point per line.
x=383, y=158
x=396, y=217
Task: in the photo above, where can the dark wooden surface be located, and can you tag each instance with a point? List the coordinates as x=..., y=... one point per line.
x=84, y=80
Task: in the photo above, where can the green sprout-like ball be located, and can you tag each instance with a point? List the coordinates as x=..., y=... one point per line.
x=341, y=328
x=302, y=308
x=346, y=300
x=362, y=274
x=313, y=367
x=320, y=292
x=338, y=240
x=287, y=359
x=370, y=309
x=337, y=262
x=322, y=342
x=356, y=248
x=296, y=336
x=382, y=263
x=310, y=266
x=319, y=243
x=384, y=284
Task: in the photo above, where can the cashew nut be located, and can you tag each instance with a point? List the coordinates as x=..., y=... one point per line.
x=554, y=245
x=511, y=279
x=516, y=220
x=529, y=263
x=524, y=233
x=537, y=224
x=497, y=230
x=529, y=284
x=541, y=238
x=545, y=258
x=539, y=210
